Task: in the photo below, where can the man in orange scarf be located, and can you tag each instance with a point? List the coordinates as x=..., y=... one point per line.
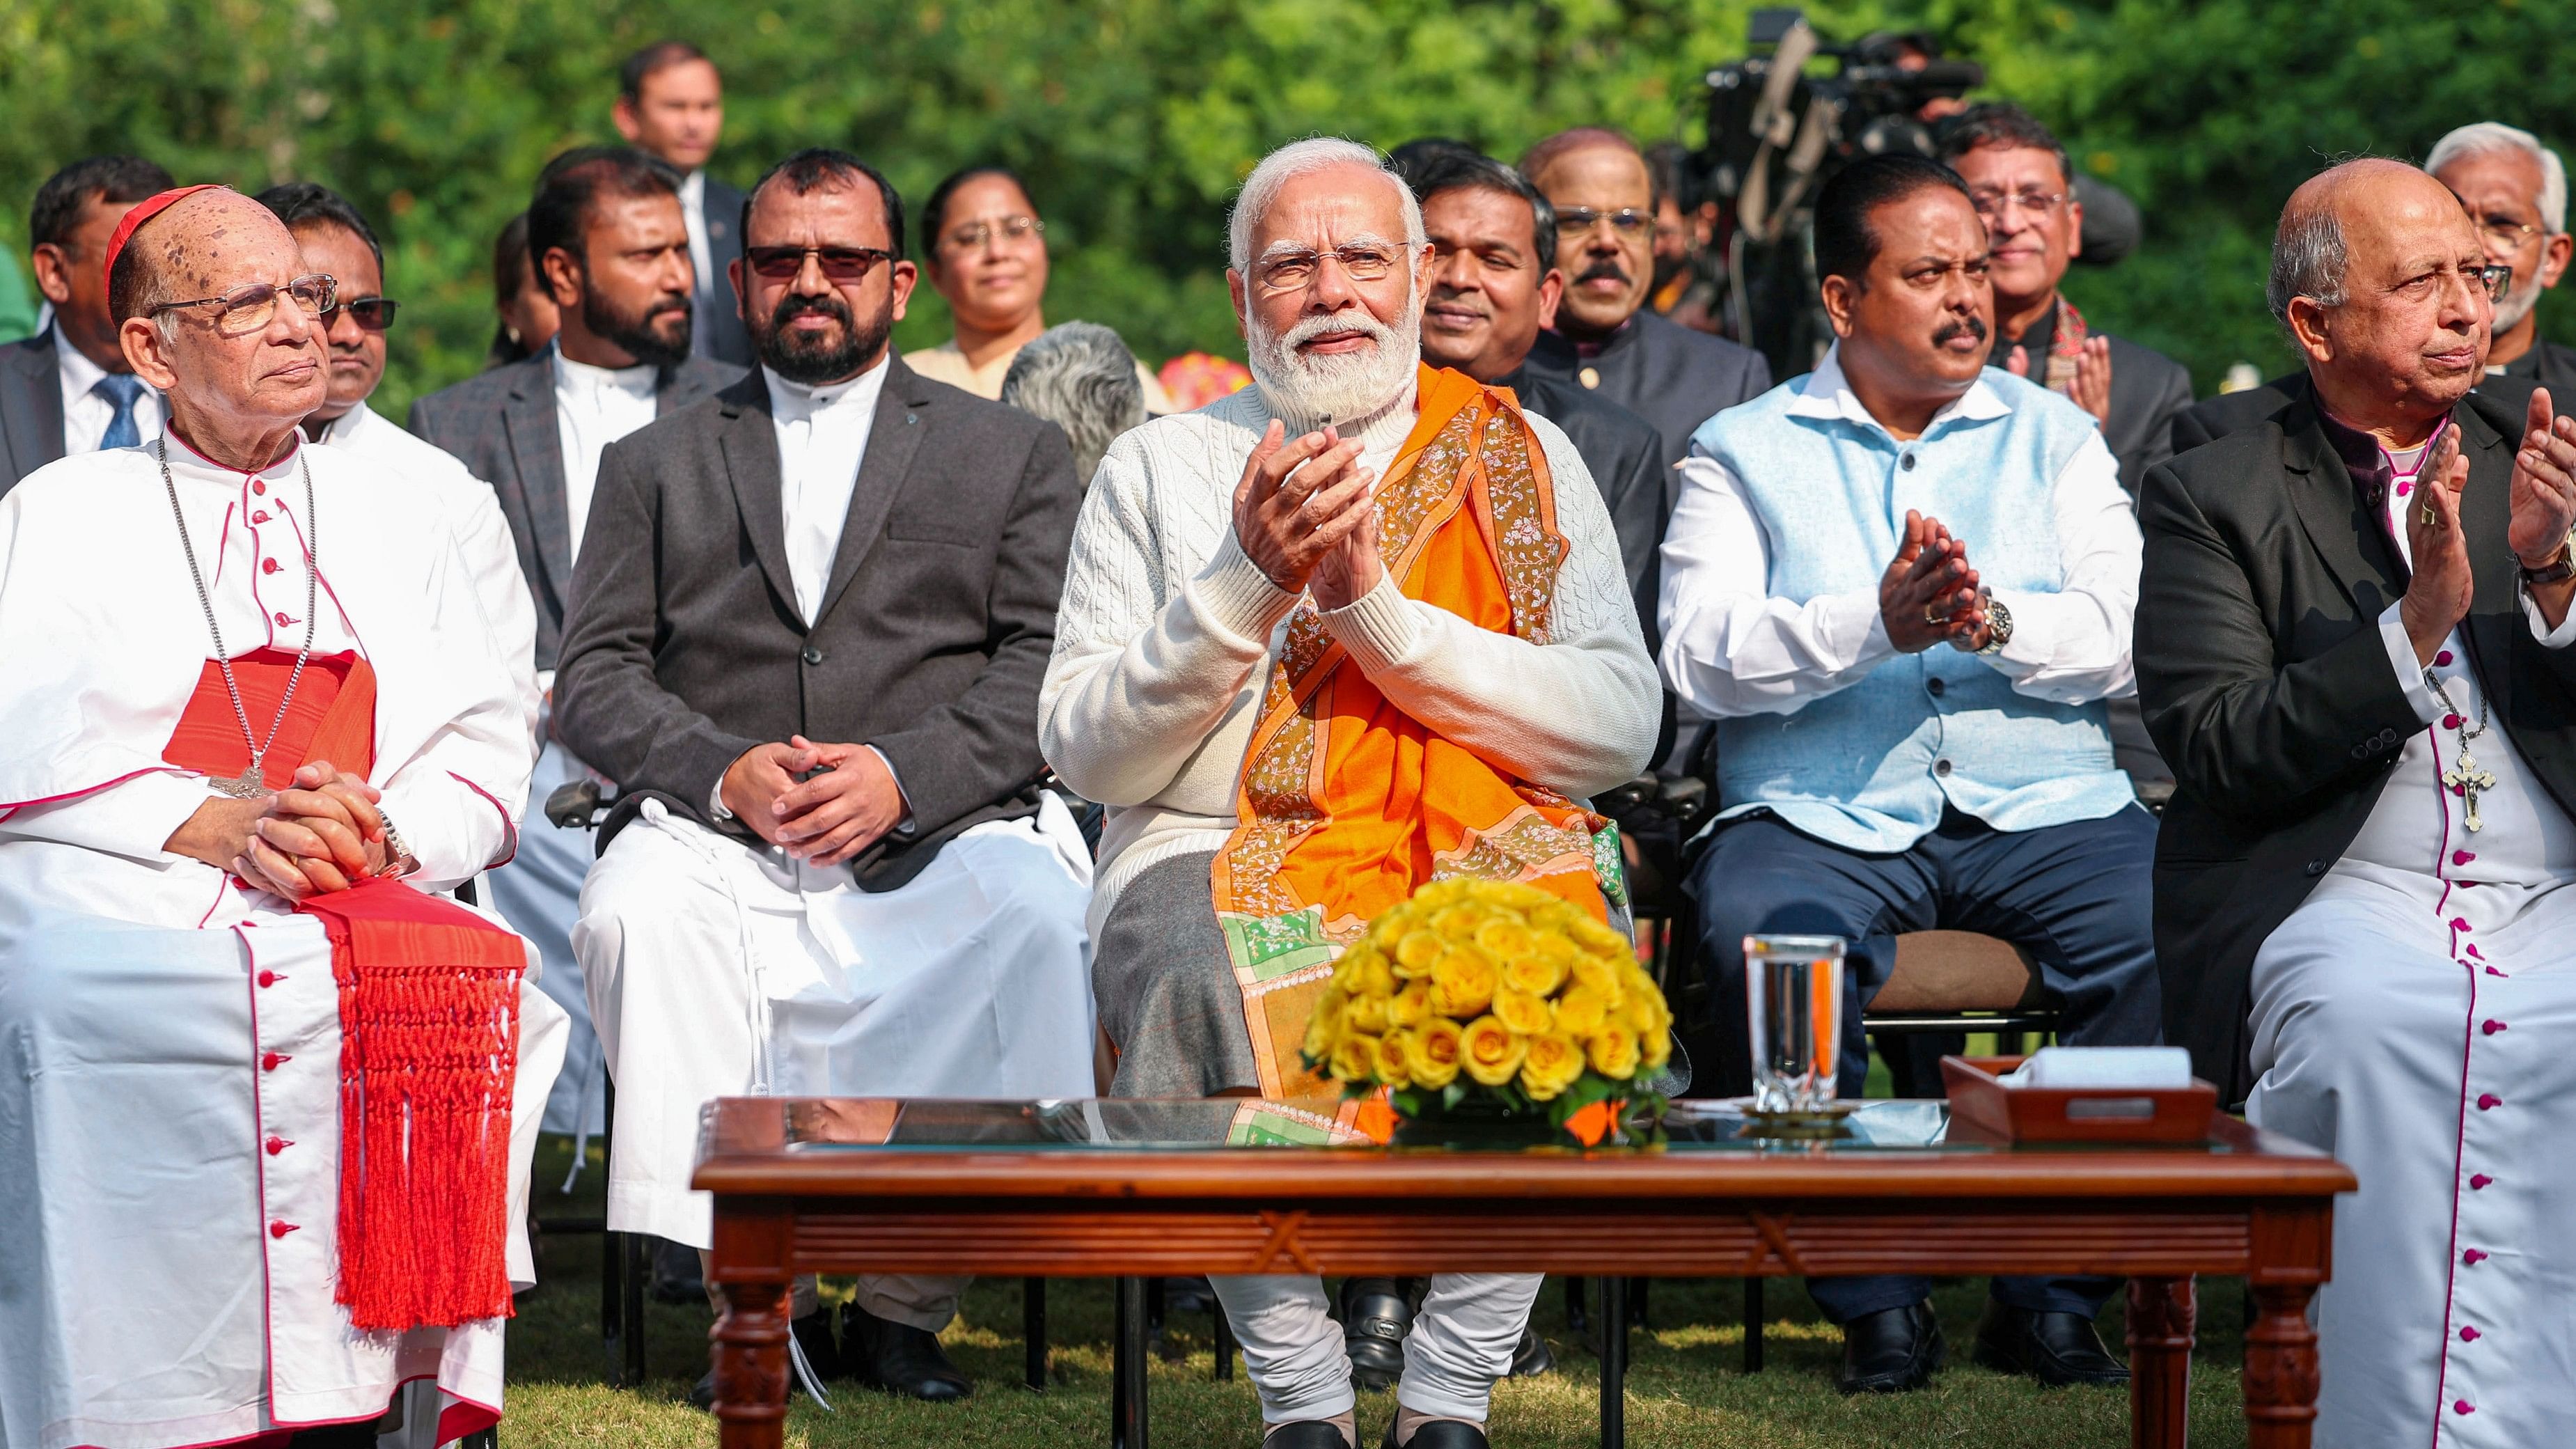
x=266, y=1105
x=1357, y=627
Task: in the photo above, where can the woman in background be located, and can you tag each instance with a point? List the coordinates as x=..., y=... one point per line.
x=528, y=318
x=984, y=249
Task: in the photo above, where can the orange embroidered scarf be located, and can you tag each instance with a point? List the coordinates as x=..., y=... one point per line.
x=1347, y=803
x=429, y=1021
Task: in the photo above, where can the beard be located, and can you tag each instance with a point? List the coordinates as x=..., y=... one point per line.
x=811, y=361
x=2517, y=304
x=1344, y=385
x=645, y=334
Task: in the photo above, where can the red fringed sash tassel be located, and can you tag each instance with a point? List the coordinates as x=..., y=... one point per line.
x=429, y=1027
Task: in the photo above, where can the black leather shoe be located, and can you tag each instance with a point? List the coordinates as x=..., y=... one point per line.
x=1376, y=1315
x=1532, y=1357
x=2055, y=1348
x=676, y=1274
x=898, y=1358
x=1305, y=1434
x=1891, y=1351
x=1440, y=1434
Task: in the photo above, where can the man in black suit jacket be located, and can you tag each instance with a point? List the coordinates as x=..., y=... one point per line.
x=2516, y=190
x=2353, y=645
x=807, y=636
x=68, y=389
x=670, y=103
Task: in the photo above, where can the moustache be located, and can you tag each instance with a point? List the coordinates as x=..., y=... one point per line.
x=1604, y=270
x=1971, y=326
x=791, y=308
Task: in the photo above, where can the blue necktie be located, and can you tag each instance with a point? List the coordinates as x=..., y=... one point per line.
x=120, y=389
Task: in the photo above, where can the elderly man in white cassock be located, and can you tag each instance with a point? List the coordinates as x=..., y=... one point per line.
x=2354, y=645
x=268, y=1099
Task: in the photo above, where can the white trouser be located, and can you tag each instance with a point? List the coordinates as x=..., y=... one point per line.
x=2420, y=1033
x=1461, y=1342
x=539, y=894
x=715, y=970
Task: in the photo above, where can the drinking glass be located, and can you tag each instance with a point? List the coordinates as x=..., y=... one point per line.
x=1793, y=989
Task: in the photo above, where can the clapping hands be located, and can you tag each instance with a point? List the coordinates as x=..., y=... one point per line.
x=1929, y=594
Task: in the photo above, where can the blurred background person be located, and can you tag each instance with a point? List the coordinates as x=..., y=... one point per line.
x=983, y=247
x=1195, y=379
x=2516, y=191
x=68, y=389
x=1080, y=377
x=527, y=314
x=670, y=104
x=17, y=304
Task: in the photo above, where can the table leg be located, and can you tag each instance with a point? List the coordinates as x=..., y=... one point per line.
x=2280, y=1368
x=1614, y=1362
x=1127, y=1428
x=2161, y=1317
x=1753, y=1318
x=751, y=1366
x=1033, y=1330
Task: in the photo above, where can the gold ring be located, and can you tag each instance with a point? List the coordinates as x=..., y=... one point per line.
x=1932, y=615
x=2432, y=516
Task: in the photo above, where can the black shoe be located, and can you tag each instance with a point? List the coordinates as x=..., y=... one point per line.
x=813, y=1334
x=677, y=1274
x=2055, y=1348
x=1532, y=1357
x=1440, y=1434
x=1376, y=1315
x=1892, y=1351
x=1306, y=1434
x=898, y=1358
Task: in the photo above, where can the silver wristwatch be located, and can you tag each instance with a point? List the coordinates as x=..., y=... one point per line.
x=1998, y=627
x=399, y=861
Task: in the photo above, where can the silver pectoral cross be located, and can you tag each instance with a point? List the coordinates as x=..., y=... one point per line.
x=2466, y=779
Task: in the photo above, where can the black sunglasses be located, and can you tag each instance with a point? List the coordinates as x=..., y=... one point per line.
x=373, y=313
x=840, y=264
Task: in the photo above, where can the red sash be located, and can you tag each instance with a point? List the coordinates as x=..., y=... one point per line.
x=429, y=1024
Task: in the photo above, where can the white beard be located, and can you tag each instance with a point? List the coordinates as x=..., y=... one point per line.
x=2517, y=304
x=1343, y=385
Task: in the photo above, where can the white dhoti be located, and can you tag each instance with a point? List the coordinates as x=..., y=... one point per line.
x=169, y=1115
x=718, y=971
x=2413, y=1017
x=539, y=894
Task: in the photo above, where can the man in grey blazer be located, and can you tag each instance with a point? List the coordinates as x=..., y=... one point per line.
x=670, y=103
x=68, y=390
x=807, y=637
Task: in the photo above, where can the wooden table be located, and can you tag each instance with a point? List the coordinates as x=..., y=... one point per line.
x=1142, y=1188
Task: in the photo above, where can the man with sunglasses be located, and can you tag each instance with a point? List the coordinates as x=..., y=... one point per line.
x=806, y=639
x=1604, y=336
x=2354, y=644
x=2516, y=191
x=271, y=1096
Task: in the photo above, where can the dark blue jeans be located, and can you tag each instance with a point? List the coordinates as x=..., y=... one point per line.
x=2076, y=896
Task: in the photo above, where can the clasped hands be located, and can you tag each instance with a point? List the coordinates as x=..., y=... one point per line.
x=322, y=833
x=2543, y=508
x=2092, y=387
x=847, y=801
x=1929, y=595
x=1305, y=513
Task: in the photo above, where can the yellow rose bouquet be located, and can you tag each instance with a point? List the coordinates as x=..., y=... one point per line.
x=1494, y=999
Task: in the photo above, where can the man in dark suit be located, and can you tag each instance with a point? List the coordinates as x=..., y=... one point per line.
x=2353, y=644
x=1605, y=339
x=670, y=104
x=807, y=638
x=69, y=389
x=2516, y=190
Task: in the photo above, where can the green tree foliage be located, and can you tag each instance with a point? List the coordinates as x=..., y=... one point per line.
x=1135, y=119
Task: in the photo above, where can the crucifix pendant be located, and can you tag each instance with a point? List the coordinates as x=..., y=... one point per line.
x=2466, y=780
x=245, y=786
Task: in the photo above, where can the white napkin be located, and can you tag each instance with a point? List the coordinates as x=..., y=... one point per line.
x=2124, y=1066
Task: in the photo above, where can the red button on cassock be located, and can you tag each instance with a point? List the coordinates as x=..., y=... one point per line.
x=2468, y=1335
x=268, y=565
x=267, y=978
x=2461, y=1406
x=279, y=1230
x=273, y=1061
x=257, y=486
x=2478, y=1181
x=2490, y=1026
x=282, y=620
x=2489, y=1101
x=2473, y=1257
x=260, y=517
x=276, y=1145
x=2442, y=658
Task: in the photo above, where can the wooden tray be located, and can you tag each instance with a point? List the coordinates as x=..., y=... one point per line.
x=1987, y=1109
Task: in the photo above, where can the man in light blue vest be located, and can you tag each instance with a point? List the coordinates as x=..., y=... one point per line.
x=1902, y=586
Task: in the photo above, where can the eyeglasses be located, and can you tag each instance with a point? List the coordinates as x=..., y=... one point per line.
x=2506, y=232
x=841, y=265
x=2498, y=280
x=1992, y=204
x=1291, y=271
x=1010, y=228
x=1627, y=220
x=373, y=313
x=247, y=309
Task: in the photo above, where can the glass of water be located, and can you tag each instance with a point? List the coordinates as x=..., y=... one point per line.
x=1793, y=989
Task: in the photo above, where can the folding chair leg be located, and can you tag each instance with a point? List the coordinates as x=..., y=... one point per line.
x=1033, y=1328
x=1753, y=1316
x=1224, y=1370
x=639, y=1277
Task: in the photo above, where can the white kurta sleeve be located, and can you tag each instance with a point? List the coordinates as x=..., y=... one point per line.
x=448, y=799
x=1729, y=648
x=491, y=556
x=2072, y=646
x=1577, y=714
x=1140, y=679
x=133, y=818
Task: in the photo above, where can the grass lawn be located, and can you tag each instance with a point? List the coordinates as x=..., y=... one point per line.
x=1686, y=1386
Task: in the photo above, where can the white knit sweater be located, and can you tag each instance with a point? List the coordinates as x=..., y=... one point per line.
x=1166, y=631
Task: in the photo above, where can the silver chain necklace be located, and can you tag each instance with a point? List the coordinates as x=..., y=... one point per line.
x=249, y=784
x=2464, y=775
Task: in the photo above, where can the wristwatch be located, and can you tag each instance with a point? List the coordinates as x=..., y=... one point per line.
x=2561, y=567
x=399, y=861
x=1998, y=626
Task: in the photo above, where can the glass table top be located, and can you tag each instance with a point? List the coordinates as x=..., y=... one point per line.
x=1193, y=1125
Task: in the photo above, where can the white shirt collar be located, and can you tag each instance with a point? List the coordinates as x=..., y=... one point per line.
x=584, y=380
x=693, y=190
x=793, y=401
x=1828, y=394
